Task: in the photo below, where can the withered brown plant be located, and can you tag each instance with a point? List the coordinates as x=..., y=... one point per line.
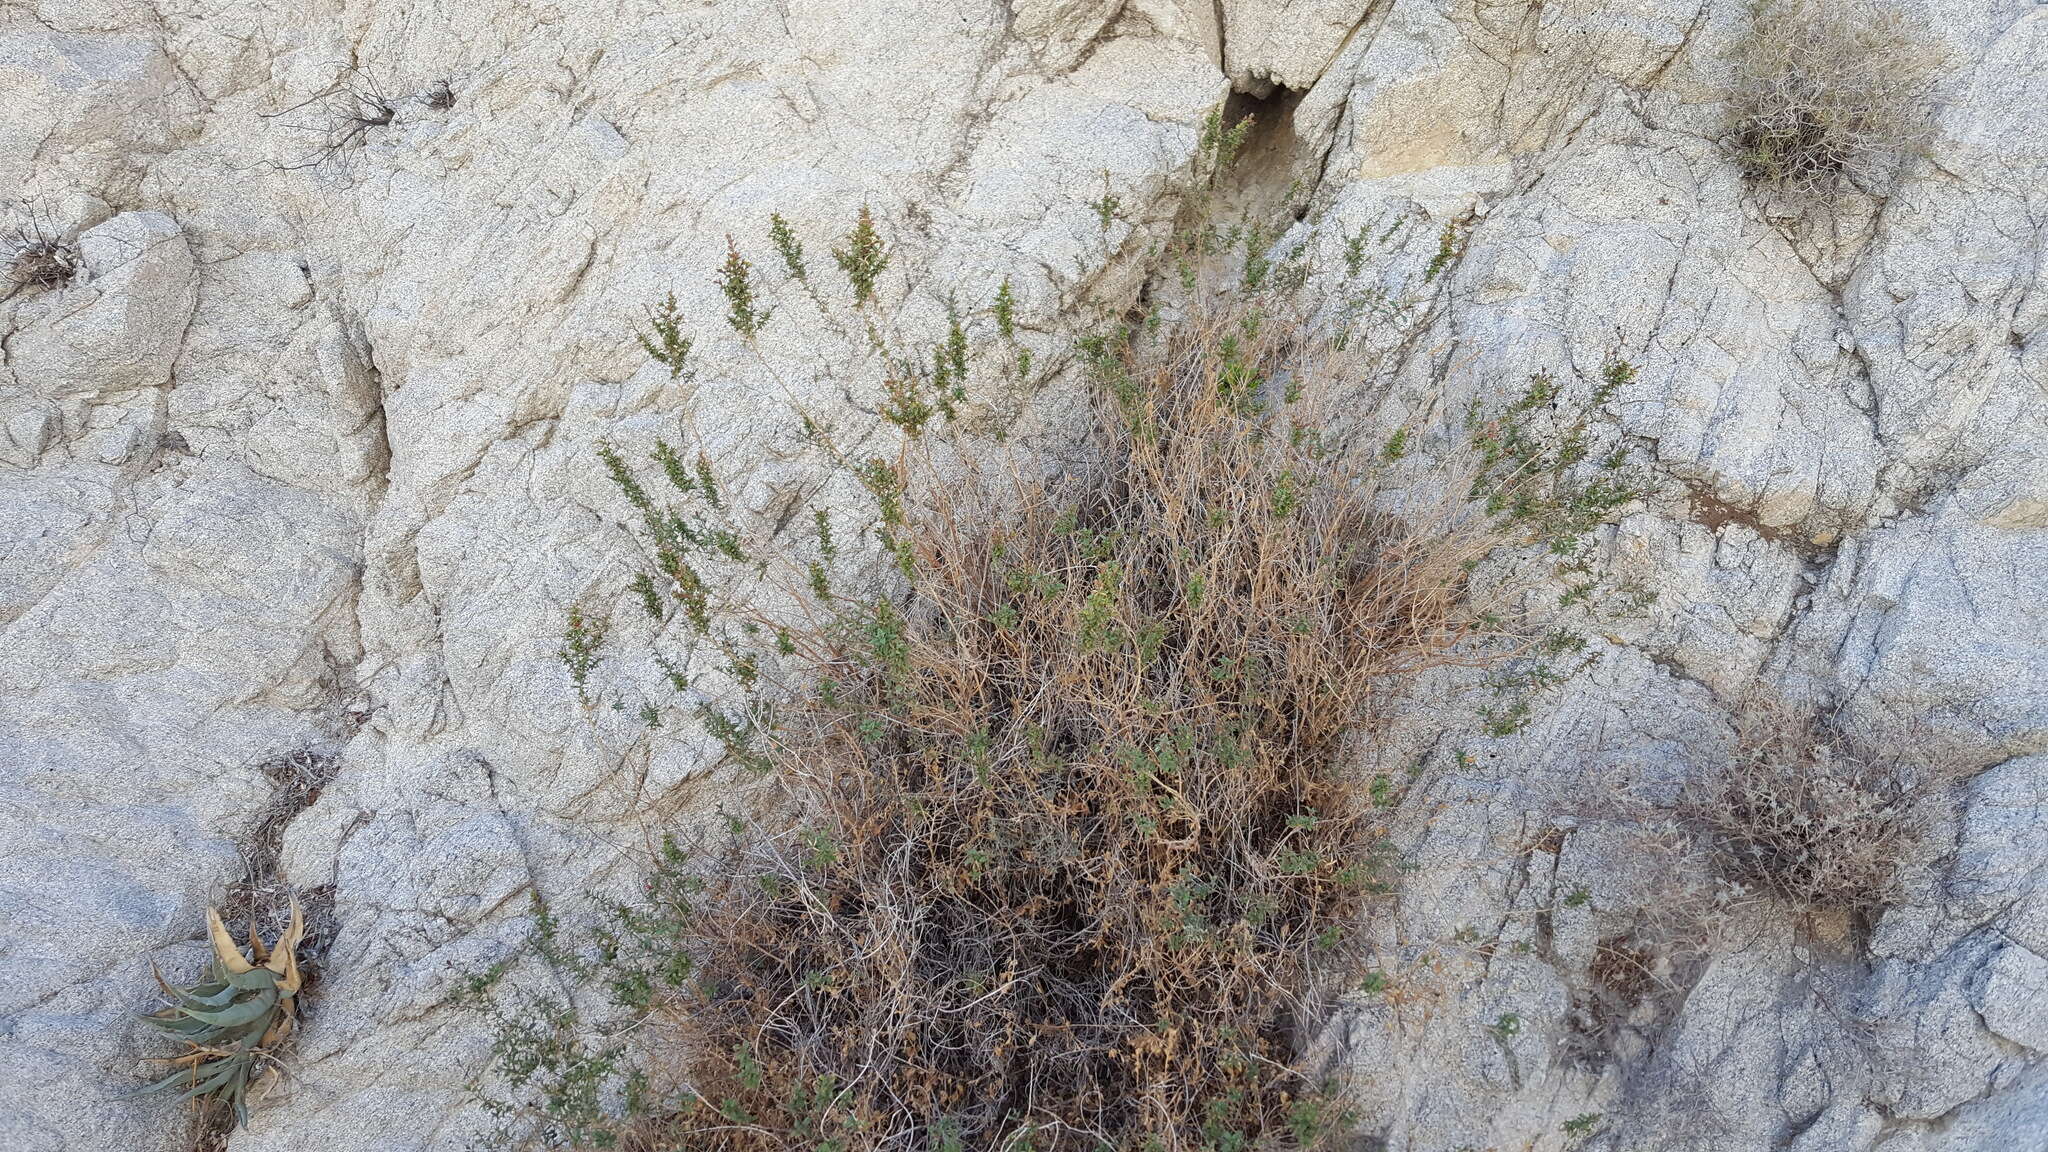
x=1052, y=823
x=38, y=257
x=1802, y=814
x=1831, y=94
x=1068, y=856
x=1061, y=841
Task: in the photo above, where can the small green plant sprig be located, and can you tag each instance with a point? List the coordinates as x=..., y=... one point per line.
x=1538, y=474
x=1582, y=1125
x=1536, y=469
x=787, y=246
x=665, y=342
x=864, y=257
x=1106, y=206
x=1221, y=143
x=582, y=640
x=1449, y=246
x=736, y=283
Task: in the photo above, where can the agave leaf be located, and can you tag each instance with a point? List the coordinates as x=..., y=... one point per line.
x=198, y=996
x=241, y=1019
x=175, y=1022
x=290, y=981
x=283, y=956
x=254, y=978
x=230, y=1069
x=230, y=1019
x=205, y=994
x=224, y=950
x=237, y=1014
x=199, y=1054
x=181, y=1076
x=245, y=1033
x=200, y=1078
x=278, y=1030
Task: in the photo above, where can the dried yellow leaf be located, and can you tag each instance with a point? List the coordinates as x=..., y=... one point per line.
x=281, y=957
x=224, y=949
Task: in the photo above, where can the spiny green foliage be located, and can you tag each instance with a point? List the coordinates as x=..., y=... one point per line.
x=736, y=282
x=1105, y=209
x=1221, y=143
x=1006, y=309
x=1535, y=471
x=232, y=1021
x=864, y=257
x=666, y=342
x=1529, y=464
x=1450, y=244
x=906, y=407
x=1256, y=261
x=787, y=246
x=581, y=641
x=1582, y=1125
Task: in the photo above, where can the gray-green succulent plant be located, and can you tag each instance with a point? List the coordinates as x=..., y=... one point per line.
x=234, y=1019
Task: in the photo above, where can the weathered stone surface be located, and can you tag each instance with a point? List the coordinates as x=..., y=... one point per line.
x=302, y=458
x=118, y=325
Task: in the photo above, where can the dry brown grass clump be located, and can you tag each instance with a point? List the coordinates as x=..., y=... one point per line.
x=1830, y=94
x=1800, y=813
x=1049, y=832
x=38, y=259
x=1064, y=854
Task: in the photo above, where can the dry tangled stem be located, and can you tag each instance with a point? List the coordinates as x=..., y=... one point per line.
x=340, y=118
x=1802, y=814
x=1066, y=857
x=1830, y=94
x=1056, y=845
x=39, y=258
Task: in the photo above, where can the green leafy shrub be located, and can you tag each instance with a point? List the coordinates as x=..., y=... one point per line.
x=665, y=342
x=1044, y=835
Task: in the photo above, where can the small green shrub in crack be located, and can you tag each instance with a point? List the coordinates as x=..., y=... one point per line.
x=1046, y=831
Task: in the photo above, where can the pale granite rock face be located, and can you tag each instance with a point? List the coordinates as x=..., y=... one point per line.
x=301, y=458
